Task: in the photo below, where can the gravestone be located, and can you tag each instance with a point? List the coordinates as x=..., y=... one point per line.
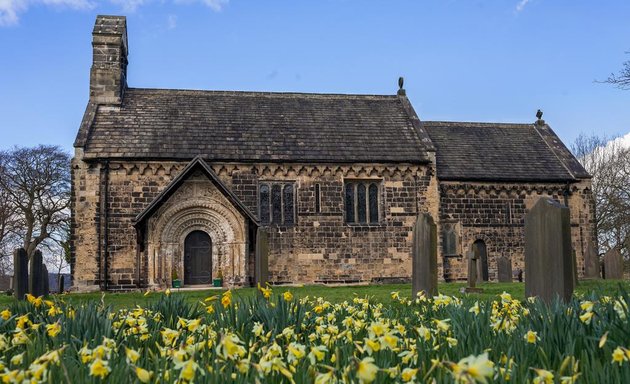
x=20, y=273
x=591, y=262
x=548, y=257
x=45, y=281
x=61, y=284
x=262, y=257
x=36, y=279
x=574, y=267
x=613, y=265
x=424, y=256
x=473, y=276
x=504, y=270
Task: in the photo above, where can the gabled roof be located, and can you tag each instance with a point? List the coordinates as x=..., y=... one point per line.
x=254, y=127
x=196, y=164
x=501, y=152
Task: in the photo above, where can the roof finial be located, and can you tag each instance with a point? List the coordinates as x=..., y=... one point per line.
x=401, y=82
x=539, y=115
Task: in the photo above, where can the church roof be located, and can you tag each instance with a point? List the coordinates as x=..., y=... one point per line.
x=254, y=126
x=501, y=152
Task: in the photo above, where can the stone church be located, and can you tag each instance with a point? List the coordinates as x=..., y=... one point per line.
x=175, y=184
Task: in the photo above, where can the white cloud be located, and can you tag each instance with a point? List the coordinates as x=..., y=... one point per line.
x=623, y=141
x=171, y=22
x=521, y=5
x=10, y=10
x=215, y=5
x=129, y=5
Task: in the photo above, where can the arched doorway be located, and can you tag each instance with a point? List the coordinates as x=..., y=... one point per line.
x=197, y=258
x=481, y=254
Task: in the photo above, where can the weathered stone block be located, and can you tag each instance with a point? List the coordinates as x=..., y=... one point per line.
x=20, y=273
x=613, y=265
x=424, y=256
x=548, y=257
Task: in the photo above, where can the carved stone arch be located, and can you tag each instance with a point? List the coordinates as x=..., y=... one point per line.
x=197, y=206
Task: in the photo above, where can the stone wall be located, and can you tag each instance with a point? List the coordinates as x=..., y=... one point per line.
x=495, y=214
x=320, y=247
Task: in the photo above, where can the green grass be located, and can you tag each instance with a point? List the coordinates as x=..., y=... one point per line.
x=380, y=293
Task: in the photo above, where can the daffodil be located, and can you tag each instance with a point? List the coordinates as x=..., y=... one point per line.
x=619, y=356
x=543, y=376
x=143, y=375
x=531, y=337
x=99, y=368
x=367, y=370
x=408, y=374
x=6, y=314
x=288, y=296
x=53, y=329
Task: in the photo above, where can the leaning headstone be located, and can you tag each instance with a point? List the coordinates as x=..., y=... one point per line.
x=262, y=257
x=548, y=257
x=472, y=274
x=20, y=273
x=504, y=270
x=35, y=279
x=424, y=256
x=591, y=262
x=45, y=281
x=613, y=264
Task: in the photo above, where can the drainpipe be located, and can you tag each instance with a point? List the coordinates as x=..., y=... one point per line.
x=105, y=221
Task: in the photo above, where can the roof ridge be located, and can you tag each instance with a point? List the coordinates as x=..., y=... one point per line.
x=477, y=123
x=262, y=93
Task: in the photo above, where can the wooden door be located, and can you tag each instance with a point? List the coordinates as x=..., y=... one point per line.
x=197, y=258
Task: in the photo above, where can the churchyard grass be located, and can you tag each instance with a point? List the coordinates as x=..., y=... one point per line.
x=378, y=293
x=273, y=335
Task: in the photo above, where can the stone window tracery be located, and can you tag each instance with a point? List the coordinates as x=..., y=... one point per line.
x=362, y=201
x=276, y=201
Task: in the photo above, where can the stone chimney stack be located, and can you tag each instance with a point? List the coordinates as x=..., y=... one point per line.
x=108, y=76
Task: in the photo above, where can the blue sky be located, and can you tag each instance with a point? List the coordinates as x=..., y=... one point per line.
x=462, y=60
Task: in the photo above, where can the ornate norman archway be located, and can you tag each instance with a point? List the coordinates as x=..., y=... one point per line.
x=196, y=206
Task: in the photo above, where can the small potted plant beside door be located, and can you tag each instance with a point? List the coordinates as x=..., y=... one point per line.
x=218, y=281
x=176, y=282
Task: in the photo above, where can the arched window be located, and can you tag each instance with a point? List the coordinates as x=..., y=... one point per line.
x=277, y=203
x=449, y=240
x=264, y=203
x=350, y=203
x=362, y=202
x=287, y=198
x=373, y=196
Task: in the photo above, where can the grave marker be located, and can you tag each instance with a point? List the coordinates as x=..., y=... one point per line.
x=548, y=257
x=424, y=256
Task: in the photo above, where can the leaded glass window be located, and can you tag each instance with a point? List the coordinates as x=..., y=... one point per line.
x=362, y=202
x=277, y=203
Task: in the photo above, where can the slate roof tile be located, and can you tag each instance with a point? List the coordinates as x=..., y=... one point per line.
x=254, y=126
x=501, y=152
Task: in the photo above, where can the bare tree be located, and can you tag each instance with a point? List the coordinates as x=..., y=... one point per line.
x=622, y=79
x=608, y=161
x=36, y=184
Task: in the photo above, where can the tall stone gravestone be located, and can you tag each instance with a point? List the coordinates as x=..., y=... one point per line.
x=504, y=270
x=548, y=258
x=262, y=257
x=45, y=281
x=424, y=256
x=613, y=264
x=20, y=273
x=35, y=279
x=591, y=262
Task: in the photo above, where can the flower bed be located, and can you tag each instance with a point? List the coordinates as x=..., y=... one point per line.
x=279, y=338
